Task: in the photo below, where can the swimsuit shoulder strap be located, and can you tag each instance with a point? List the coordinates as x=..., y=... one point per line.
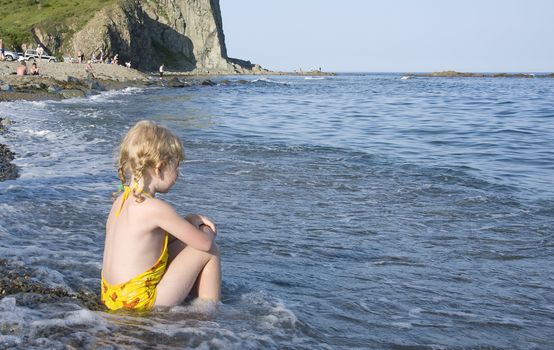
x=127, y=190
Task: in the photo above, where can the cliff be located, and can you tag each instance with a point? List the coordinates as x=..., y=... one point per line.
x=185, y=35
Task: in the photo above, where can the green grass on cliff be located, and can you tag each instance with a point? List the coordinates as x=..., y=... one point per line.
x=18, y=17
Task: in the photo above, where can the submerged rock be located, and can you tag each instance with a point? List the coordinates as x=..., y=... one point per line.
x=71, y=79
x=175, y=83
x=54, y=88
x=73, y=93
x=207, y=82
x=18, y=279
x=94, y=85
x=5, y=122
x=8, y=170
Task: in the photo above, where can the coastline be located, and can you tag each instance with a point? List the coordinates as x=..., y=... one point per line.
x=60, y=80
x=455, y=74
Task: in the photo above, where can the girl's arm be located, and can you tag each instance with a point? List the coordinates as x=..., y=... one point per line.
x=199, y=221
x=170, y=221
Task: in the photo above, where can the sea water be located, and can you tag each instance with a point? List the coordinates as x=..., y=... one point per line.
x=354, y=211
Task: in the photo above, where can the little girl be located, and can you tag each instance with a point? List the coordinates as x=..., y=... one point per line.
x=152, y=255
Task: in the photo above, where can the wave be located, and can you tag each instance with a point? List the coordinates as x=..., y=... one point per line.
x=47, y=134
x=269, y=81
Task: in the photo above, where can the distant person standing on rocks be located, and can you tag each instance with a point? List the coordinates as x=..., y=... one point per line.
x=80, y=56
x=90, y=70
x=162, y=71
x=40, y=51
x=1, y=50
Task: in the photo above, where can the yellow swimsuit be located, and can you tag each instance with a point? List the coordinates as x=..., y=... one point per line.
x=138, y=293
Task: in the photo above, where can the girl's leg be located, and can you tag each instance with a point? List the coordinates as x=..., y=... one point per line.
x=208, y=283
x=189, y=265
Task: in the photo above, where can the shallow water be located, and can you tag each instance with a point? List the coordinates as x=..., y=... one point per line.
x=356, y=211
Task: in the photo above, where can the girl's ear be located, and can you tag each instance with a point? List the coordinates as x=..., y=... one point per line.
x=159, y=168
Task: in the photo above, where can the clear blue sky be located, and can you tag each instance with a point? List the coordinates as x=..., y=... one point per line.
x=392, y=35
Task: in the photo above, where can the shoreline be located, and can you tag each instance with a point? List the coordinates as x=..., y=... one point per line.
x=455, y=74
x=60, y=80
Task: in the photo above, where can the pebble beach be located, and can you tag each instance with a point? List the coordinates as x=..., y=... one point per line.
x=57, y=77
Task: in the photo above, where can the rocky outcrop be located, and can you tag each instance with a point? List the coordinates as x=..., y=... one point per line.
x=185, y=35
x=8, y=171
x=20, y=281
x=454, y=74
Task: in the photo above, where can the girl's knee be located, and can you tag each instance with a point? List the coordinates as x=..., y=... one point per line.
x=214, y=251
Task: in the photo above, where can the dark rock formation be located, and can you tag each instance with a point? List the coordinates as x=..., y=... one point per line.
x=454, y=74
x=16, y=279
x=8, y=171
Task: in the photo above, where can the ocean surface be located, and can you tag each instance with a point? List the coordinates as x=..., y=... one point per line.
x=358, y=211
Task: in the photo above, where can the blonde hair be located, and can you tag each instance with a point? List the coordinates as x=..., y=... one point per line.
x=145, y=146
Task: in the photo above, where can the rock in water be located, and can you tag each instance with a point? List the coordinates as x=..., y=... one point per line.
x=18, y=280
x=8, y=171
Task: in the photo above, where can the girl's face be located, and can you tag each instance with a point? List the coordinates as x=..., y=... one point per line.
x=167, y=176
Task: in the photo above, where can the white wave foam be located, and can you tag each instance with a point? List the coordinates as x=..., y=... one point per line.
x=73, y=318
x=197, y=306
x=41, y=104
x=267, y=80
x=114, y=93
x=272, y=313
x=30, y=326
x=48, y=134
x=280, y=317
x=102, y=97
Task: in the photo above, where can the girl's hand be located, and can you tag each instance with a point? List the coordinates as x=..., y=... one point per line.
x=200, y=222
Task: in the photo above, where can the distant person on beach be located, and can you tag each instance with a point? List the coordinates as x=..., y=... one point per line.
x=80, y=56
x=152, y=255
x=21, y=69
x=40, y=51
x=1, y=50
x=34, y=69
x=89, y=70
x=162, y=71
